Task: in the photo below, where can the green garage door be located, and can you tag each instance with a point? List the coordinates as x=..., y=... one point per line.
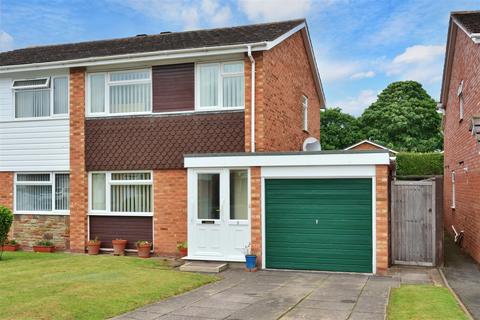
x=319, y=224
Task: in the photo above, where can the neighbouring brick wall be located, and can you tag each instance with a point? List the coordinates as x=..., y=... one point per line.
x=6, y=192
x=382, y=204
x=256, y=213
x=287, y=75
x=366, y=146
x=78, y=174
x=170, y=210
x=28, y=229
x=461, y=148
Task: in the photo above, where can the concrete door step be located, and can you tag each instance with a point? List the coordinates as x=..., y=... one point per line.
x=204, y=266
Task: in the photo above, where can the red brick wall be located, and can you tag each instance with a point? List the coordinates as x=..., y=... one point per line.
x=78, y=174
x=170, y=210
x=256, y=212
x=282, y=75
x=366, y=146
x=6, y=189
x=288, y=76
x=382, y=203
x=460, y=146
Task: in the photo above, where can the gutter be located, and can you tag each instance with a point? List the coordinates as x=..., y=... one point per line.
x=136, y=57
x=252, y=99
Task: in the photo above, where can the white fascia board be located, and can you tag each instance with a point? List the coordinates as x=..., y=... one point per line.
x=340, y=159
x=371, y=143
x=284, y=36
x=137, y=57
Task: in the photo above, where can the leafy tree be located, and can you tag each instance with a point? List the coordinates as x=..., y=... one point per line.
x=6, y=219
x=403, y=118
x=338, y=130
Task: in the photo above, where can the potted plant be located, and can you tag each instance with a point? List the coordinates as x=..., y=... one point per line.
x=119, y=247
x=143, y=248
x=11, y=245
x=93, y=246
x=250, y=259
x=44, y=246
x=182, y=247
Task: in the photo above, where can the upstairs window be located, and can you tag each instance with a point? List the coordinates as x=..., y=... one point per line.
x=305, y=112
x=220, y=85
x=42, y=97
x=120, y=92
x=460, y=100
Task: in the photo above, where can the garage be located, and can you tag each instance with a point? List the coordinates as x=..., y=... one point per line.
x=319, y=224
x=312, y=210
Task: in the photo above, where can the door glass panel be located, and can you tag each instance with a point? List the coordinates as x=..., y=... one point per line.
x=238, y=195
x=208, y=196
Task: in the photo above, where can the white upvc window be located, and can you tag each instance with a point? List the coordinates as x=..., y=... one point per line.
x=119, y=92
x=220, y=85
x=305, y=112
x=41, y=97
x=453, y=191
x=126, y=193
x=460, y=100
x=42, y=193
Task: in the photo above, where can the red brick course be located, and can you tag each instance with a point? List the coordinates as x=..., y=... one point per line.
x=256, y=213
x=461, y=149
x=78, y=173
x=170, y=210
x=6, y=189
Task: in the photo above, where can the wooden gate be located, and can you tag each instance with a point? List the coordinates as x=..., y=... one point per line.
x=413, y=223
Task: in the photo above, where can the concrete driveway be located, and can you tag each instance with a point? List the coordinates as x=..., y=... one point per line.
x=277, y=295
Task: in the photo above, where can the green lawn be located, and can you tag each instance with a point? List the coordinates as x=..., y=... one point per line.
x=64, y=286
x=414, y=302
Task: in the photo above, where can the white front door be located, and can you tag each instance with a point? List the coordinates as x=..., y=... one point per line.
x=218, y=214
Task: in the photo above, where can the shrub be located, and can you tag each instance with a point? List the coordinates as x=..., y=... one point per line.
x=44, y=243
x=6, y=219
x=419, y=164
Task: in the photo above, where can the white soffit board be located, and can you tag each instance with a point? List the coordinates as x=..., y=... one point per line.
x=286, y=160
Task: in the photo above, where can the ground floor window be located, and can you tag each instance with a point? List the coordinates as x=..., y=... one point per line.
x=42, y=192
x=124, y=193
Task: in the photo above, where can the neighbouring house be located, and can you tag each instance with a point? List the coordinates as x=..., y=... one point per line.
x=370, y=145
x=187, y=135
x=460, y=102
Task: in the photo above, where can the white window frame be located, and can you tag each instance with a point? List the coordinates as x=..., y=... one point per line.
x=305, y=112
x=108, y=191
x=453, y=191
x=51, y=182
x=221, y=75
x=460, y=101
x=49, y=86
x=109, y=83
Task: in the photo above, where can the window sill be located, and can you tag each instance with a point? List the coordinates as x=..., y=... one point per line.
x=121, y=214
x=38, y=119
x=42, y=213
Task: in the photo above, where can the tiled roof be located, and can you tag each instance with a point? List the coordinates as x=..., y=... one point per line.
x=159, y=142
x=470, y=20
x=150, y=43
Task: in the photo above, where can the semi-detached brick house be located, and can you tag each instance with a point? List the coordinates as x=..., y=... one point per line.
x=460, y=100
x=187, y=135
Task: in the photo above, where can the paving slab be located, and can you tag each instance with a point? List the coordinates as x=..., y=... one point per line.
x=266, y=295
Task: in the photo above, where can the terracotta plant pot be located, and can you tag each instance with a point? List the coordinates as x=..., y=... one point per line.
x=143, y=251
x=183, y=252
x=94, y=248
x=11, y=247
x=43, y=249
x=119, y=247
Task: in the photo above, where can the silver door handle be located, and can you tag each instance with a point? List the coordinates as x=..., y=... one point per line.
x=316, y=221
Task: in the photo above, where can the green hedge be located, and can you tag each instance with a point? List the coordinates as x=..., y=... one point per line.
x=419, y=164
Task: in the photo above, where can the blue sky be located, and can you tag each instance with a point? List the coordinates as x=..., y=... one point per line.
x=360, y=45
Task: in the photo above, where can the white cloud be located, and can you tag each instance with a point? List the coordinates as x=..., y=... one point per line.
x=6, y=41
x=363, y=74
x=421, y=63
x=274, y=10
x=190, y=14
x=356, y=105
